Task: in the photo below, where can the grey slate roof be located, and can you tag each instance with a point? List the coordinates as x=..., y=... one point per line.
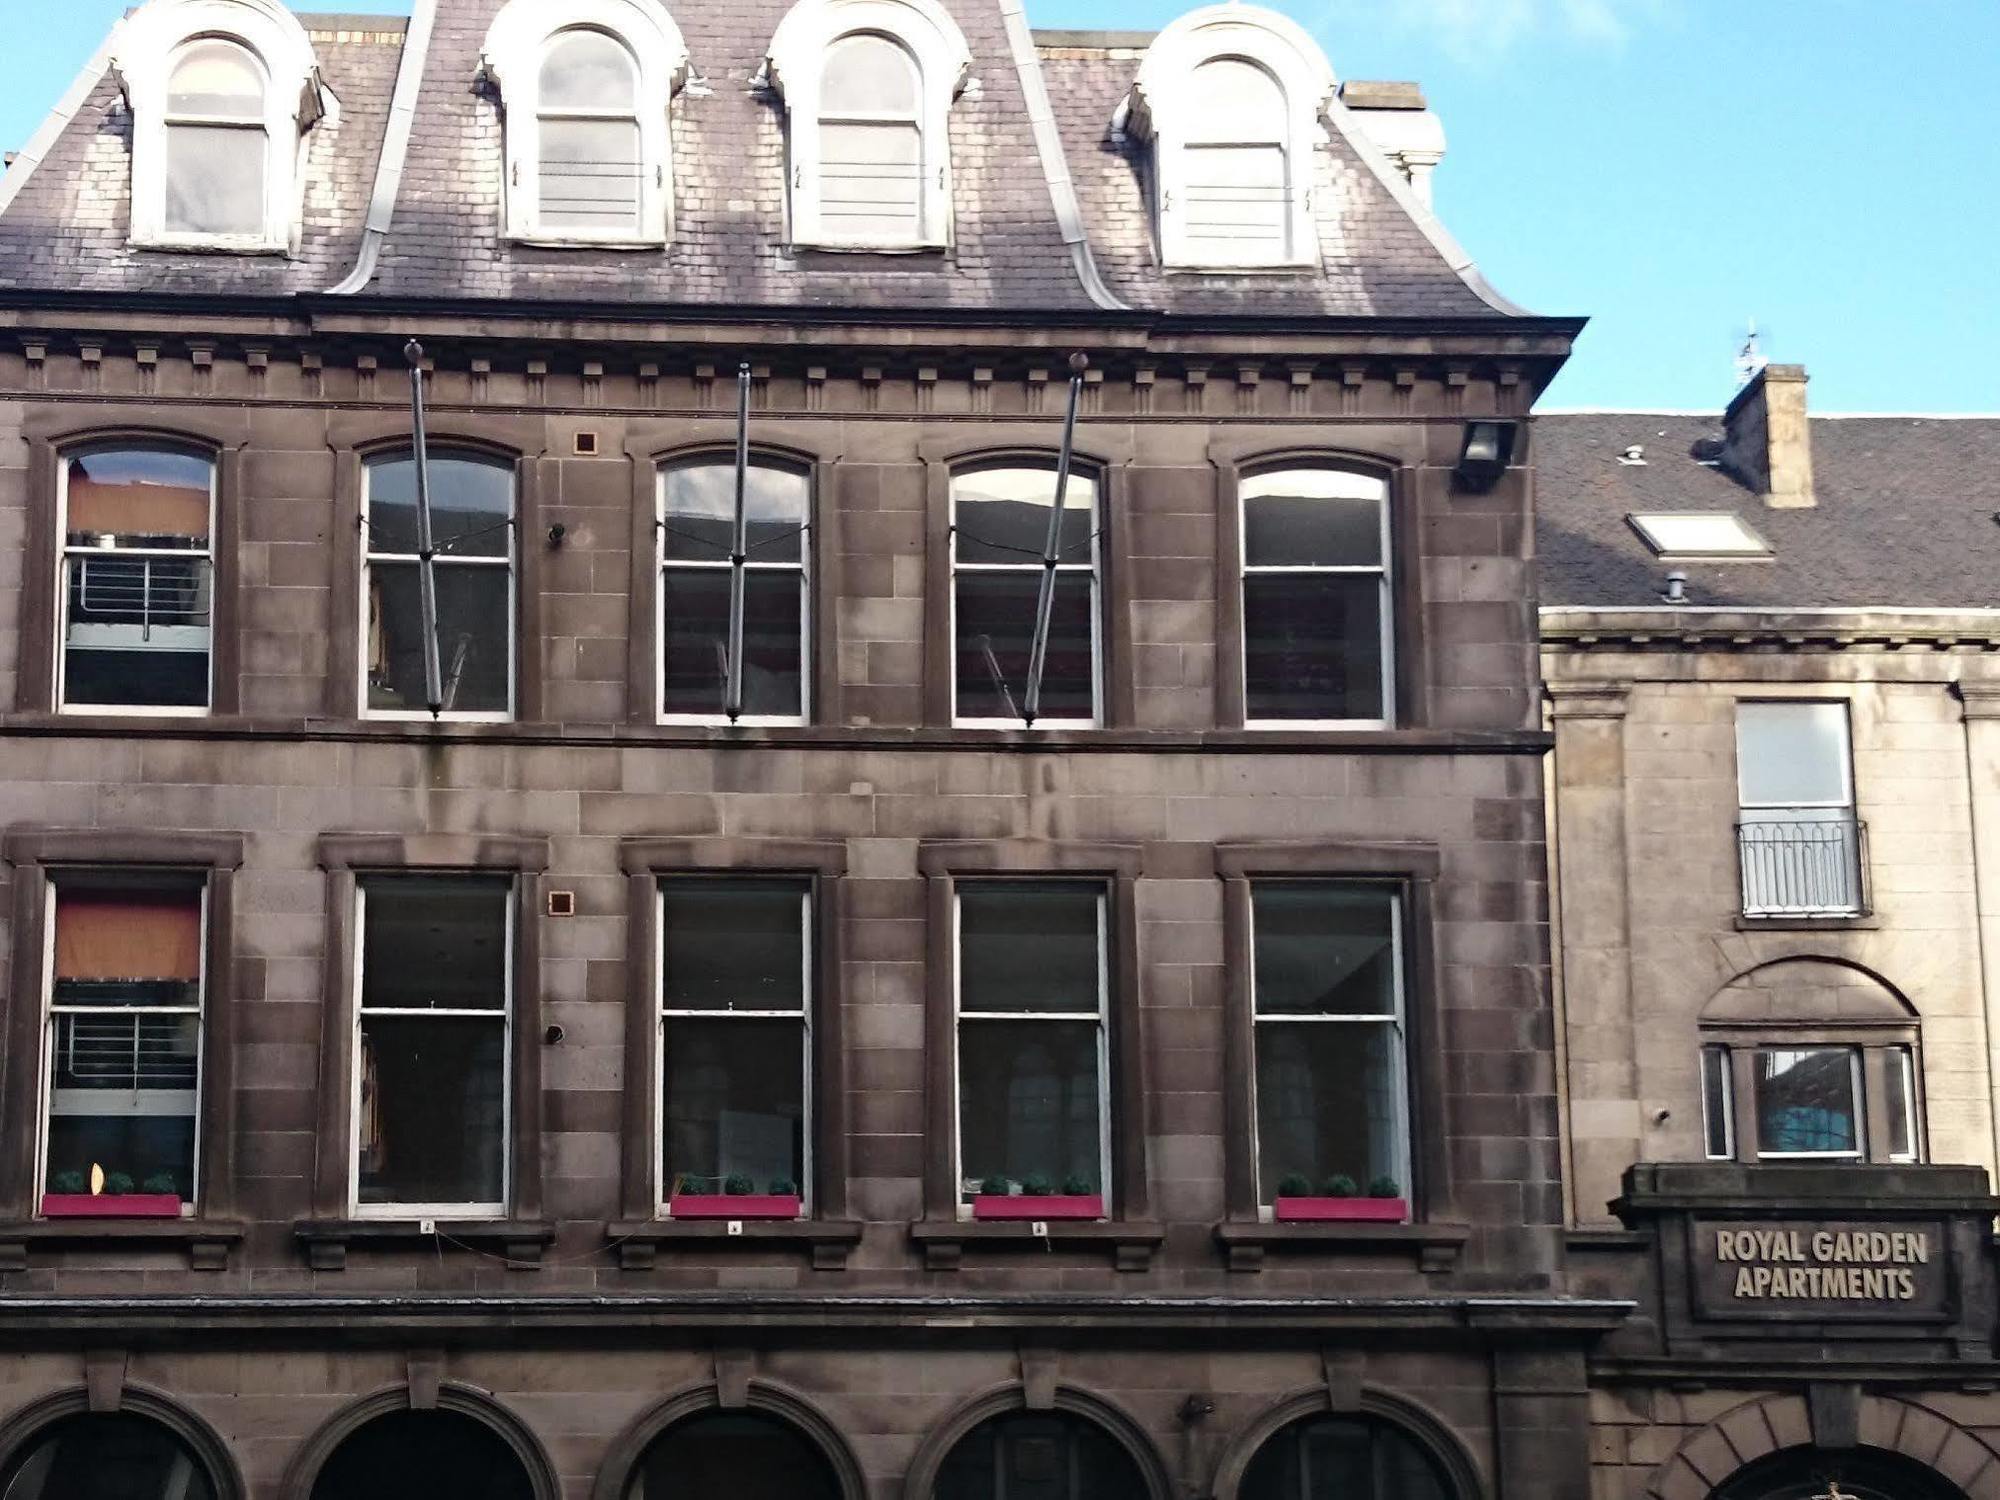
x=1906, y=514
x=66, y=229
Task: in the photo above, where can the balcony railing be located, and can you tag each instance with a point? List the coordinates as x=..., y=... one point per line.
x=1809, y=864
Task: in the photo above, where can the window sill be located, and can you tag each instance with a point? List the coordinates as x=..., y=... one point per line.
x=534, y=240
x=944, y=1241
x=520, y=1241
x=1859, y=922
x=207, y=1241
x=1434, y=1247
x=638, y=1242
x=203, y=244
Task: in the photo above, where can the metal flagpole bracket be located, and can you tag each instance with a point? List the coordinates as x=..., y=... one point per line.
x=426, y=549
x=1045, y=602
x=738, y=547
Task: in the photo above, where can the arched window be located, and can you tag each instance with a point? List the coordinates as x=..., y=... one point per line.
x=1231, y=96
x=1343, y=1458
x=221, y=91
x=106, y=1456
x=868, y=86
x=589, y=125
x=217, y=145
x=586, y=114
x=746, y=1455
x=137, y=569
x=418, y=1455
x=1025, y=1455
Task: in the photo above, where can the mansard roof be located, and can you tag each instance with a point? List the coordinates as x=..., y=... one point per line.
x=1050, y=207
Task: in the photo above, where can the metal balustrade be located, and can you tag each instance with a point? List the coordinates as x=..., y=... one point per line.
x=1803, y=866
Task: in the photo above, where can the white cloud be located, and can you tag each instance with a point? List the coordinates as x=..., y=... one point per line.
x=1475, y=30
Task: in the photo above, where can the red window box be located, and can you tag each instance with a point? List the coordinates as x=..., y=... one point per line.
x=111, y=1205
x=1043, y=1206
x=734, y=1206
x=1338, y=1210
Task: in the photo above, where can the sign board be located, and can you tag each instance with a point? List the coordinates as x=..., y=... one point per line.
x=1820, y=1269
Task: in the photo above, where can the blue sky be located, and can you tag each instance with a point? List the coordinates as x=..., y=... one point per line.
x=1672, y=168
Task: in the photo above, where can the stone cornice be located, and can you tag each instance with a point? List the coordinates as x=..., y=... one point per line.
x=1760, y=630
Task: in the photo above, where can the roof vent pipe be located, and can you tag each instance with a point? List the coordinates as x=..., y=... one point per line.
x=1677, y=588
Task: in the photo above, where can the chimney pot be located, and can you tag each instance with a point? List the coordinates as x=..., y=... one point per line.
x=1767, y=437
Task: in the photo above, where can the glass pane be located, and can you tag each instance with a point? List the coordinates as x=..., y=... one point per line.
x=590, y=175
x=1717, y=1104
x=139, y=497
x=741, y=1454
x=1233, y=100
x=1324, y=949
x=136, y=630
x=868, y=75
x=699, y=504
x=1902, y=1091
x=215, y=179
x=122, y=1096
x=124, y=946
x=1002, y=515
x=1342, y=1458
x=433, y=1125
x=588, y=70
x=1322, y=517
x=732, y=945
x=1312, y=646
x=1806, y=1098
x=1038, y=1456
x=435, y=942
x=472, y=505
x=1329, y=1098
x=1237, y=203
x=475, y=630
x=734, y=1105
x=996, y=632
x=695, y=636
x=1791, y=753
x=105, y=1456
x=1029, y=947
x=871, y=181
x=1029, y=1109
x=428, y=1454
x=218, y=80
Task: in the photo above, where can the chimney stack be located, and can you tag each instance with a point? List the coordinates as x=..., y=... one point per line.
x=1767, y=441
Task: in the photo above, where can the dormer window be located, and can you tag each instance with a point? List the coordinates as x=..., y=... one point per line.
x=221, y=92
x=586, y=99
x=868, y=86
x=1231, y=98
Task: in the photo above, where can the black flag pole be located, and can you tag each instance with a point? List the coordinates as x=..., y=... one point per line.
x=1045, y=603
x=426, y=551
x=738, y=546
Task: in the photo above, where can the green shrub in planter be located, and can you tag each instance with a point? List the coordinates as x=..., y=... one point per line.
x=1036, y=1185
x=1341, y=1185
x=160, y=1182
x=784, y=1187
x=1385, y=1187
x=69, y=1182
x=117, y=1184
x=996, y=1186
x=1295, y=1185
x=1078, y=1186
x=737, y=1185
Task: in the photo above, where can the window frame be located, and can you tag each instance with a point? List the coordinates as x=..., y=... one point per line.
x=799, y=47
x=809, y=940
x=514, y=562
x=1191, y=136
x=1397, y=1022
x=1387, y=595
x=545, y=112
x=65, y=554
x=357, y=1015
x=1843, y=812
x=147, y=49
x=515, y=47
x=38, y=856
x=1084, y=468
x=1879, y=1051
x=1101, y=1020
x=808, y=474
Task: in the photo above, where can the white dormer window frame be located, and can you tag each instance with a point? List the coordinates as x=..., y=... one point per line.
x=1159, y=110
x=518, y=44
x=151, y=45
x=799, y=55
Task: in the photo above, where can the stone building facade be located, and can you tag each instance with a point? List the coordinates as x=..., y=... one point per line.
x=1768, y=644
x=371, y=1120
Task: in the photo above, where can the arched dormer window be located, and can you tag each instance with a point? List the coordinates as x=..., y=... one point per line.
x=1231, y=97
x=868, y=86
x=586, y=90
x=221, y=92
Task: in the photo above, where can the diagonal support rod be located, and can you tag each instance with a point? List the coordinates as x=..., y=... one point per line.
x=739, y=550
x=1045, y=603
x=426, y=548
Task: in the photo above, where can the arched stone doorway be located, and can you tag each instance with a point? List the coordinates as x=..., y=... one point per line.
x=423, y=1455
x=107, y=1456
x=1039, y=1455
x=1327, y=1457
x=1850, y=1474
x=747, y=1455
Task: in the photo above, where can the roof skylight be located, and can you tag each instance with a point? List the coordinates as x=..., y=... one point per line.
x=1707, y=534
